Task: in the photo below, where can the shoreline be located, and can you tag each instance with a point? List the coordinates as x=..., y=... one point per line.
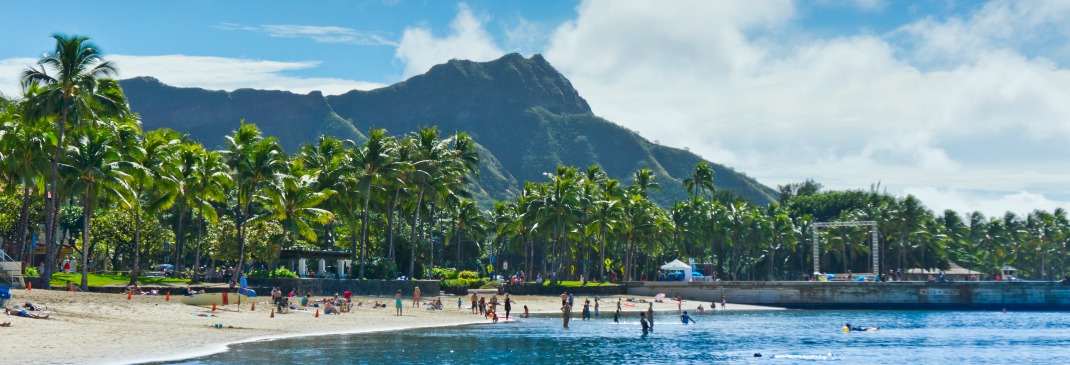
x=99, y=328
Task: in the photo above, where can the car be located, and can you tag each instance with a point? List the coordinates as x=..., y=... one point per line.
x=162, y=270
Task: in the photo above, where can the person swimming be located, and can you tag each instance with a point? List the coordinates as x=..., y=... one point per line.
x=686, y=318
x=848, y=328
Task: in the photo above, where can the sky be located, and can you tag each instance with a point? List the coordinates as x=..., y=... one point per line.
x=964, y=104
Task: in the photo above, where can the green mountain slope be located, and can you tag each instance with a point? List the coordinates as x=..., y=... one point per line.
x=526, y=117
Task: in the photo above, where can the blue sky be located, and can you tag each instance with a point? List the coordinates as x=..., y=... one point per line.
x=962, y=103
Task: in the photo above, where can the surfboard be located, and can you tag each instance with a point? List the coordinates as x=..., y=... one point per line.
x=208, y=299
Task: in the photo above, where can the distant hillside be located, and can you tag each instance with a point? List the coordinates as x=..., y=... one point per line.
x=525, y=115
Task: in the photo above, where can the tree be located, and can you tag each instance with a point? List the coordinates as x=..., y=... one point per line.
x=701, y=179
x=79, y=88
x=255, y=165
x=23, y=159
x=210, y=178
x=153, y=182
x=371, y=162
x=97, y=169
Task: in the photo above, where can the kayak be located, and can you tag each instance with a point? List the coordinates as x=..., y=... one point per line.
x=864, y=329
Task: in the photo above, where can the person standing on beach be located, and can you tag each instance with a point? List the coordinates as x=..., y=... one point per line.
x=618, y=304
x=650, y=314
x=416, y=297
x=397, y=301
x=475, y=303
x=459, y=302
x=723, y=302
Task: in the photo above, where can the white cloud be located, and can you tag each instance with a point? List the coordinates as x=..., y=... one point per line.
x=419, y=49
x=992, y=205
x=214, y=73
x=322, y=34
x=731, y=81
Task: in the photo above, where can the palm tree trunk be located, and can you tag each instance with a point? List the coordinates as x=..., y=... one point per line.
x=364, y=228
x=51, y=211
x=22, y=238
x=429, y=227
x=136, y=269
x=241, y=243
x=390, y=222
x=87, y=214
x=197, y=255
x=412, y=234
x=180, y=240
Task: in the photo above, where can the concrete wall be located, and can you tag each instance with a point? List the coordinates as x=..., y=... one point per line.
x=871, y=295
x=358, y=287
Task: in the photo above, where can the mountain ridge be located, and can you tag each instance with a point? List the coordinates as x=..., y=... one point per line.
x=525, y=115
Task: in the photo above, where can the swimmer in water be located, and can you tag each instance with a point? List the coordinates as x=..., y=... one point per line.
x=686, y=318
x=642, y=322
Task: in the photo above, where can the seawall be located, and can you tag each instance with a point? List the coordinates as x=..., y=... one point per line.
x=991, y=295
x=357, y=287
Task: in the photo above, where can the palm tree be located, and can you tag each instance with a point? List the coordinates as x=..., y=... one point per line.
x=466, y=215
x=371, y=162
x=96, y=166
x=255, y=163
x=153, y=181
x=79, y=88
x=701, y=179
x=24, y=142
x=643, y=182
x=210, y=179
x=296, y=204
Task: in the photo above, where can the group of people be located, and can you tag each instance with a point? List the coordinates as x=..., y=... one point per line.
x=29, y=310
x=489, y=309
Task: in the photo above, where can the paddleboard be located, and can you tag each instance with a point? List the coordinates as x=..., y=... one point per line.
x=207, y=299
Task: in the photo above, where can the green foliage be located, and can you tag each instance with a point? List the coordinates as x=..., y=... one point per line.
x=465, y=283
x=281, y=272
x=493, y=284
x=98, y=280
x=468, y=275
x=263, y=240
x=441, y=273
x=32, y=271
x=381, y=268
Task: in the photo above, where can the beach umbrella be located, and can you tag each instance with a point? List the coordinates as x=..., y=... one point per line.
x=659, y=297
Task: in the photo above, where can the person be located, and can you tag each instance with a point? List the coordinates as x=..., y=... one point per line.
x=459, y=302
x=526, y=314
x=397, y=302
x=616, y=316
x=566, y=314
x=416, y=297
x=723, y=302
x=583, y=281
x=483, y=306
x=586, y=314
x=276, y=294
x=571, y=300
x=348, y=295
x=701, y=309
x=650, y=315
x=508, y=306
x=642, y=322
x=686, y=318
x=24, y=313
x=595, y=307
x=564, y=298
x=618, y=304
x=306, y=299
x=475, y=303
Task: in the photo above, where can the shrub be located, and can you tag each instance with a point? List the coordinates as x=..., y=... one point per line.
x=493, y=284
x=467, y=275
x=282, y=272
x=32, y=271
x=380, y=268
x=464, y=283
x=443, y=273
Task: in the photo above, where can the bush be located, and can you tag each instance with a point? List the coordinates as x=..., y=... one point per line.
x=32, y=271
x=380, y=268
x=464, y=283
x=281, y=272
x=441, y=273
x=467, y=275
x=493, y=284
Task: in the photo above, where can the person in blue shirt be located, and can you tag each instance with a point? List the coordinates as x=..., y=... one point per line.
x=686, y=318
x=642, y=321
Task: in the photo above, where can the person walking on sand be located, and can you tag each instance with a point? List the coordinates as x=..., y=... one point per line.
x=475, y=303
x=397, y=301
x=416, y=297
x=650, y=315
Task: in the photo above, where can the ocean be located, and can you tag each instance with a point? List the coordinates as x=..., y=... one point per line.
x=731, y=337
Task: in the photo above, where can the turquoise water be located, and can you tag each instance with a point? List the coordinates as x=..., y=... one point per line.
x=782, y=337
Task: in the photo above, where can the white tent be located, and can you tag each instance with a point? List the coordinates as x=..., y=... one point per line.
x=677, y=265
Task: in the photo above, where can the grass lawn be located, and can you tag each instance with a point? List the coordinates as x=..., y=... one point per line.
x=60, y=280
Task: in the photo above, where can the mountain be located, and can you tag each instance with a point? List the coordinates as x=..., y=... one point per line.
x=526, y=117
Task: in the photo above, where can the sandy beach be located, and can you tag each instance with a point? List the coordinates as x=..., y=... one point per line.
x=96, y=328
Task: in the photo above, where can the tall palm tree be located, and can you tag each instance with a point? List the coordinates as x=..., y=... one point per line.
x=255, y=165
x=153, y=181
x=23, y=161
x=466, y=215
x=96, y=166
x=210, y=179
x=701, y=179
x=76, y=87
x=296, y=204
x=371, y=162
